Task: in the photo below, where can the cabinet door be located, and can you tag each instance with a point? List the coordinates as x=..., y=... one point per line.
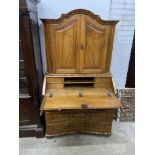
x=94, y=46
x=62, y=45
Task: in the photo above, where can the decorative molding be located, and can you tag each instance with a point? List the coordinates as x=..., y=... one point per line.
x=84, y=12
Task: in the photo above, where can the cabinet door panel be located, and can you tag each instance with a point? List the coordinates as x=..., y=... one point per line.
x=66, y=44
x=62, y=46
x=94, y=46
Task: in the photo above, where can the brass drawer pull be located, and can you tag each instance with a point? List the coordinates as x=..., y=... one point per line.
x=85, y=106
x=80, y=95
x=109, y=94
x=50, y=95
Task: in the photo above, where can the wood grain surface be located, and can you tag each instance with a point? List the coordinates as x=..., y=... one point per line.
x=78, y=43
x=78, y=89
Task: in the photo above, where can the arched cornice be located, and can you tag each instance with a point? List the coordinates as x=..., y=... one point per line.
x=80, y=11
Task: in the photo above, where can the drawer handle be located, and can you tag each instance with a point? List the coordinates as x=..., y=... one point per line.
x=50, y=95
x=85, y=106
x=109, y=94
x=80, y=95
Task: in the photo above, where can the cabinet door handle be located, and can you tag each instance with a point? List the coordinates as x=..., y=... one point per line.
x=82, y=47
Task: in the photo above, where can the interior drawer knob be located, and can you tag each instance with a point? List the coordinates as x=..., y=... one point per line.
x=50, y=95
x=80, y=95
x=109, y=94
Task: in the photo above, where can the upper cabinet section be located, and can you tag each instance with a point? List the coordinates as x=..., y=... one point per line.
x=78, y=42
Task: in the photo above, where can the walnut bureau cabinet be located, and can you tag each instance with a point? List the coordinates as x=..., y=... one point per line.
x=78, y=89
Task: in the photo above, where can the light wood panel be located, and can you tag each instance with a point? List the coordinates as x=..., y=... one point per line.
x=55, y=86
x=104, y=83
x=51, y=82
x=79, y=75
x=83, y=114
x=75, y=102
x=82, y=126
x=61, y=42
x=75, y=91
x=79, y=92
x=78, y=43
x=94, y=45
x=54, y=80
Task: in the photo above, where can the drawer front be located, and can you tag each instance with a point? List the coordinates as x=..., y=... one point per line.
x=56, y=116
x=77, y=115
x=55, y=86
x=104, y=82
x=55, y=79
x=79, y=126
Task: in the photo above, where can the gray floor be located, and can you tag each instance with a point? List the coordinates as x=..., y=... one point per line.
x=121, y=142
